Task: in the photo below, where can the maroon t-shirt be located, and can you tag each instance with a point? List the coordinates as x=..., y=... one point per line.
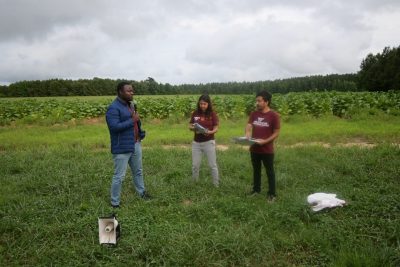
x=264, y=125
x=207, y=122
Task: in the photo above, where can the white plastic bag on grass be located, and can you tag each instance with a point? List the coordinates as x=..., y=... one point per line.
x=321, y=201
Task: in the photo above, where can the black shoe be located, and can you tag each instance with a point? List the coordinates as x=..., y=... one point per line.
x=146, y=196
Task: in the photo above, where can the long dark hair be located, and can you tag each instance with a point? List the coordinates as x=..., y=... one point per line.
x=205, y=98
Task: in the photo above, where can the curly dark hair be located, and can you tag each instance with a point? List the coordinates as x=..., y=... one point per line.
x=121, y=85
x=266, y=96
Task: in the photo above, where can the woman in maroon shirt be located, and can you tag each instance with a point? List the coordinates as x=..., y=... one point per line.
x=204, y=122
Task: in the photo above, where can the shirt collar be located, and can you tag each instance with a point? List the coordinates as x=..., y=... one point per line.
x=126, y=103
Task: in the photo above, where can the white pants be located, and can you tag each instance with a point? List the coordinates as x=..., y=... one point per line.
x=207, y=148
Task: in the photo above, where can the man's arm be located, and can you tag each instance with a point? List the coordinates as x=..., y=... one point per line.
x=248, y=129
x=274, y=135
x=112, y=118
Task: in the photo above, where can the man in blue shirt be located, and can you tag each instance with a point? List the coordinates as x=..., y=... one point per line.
x=125, y=133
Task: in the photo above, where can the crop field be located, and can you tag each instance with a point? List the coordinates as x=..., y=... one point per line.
x=54, y=110
x=56, y=169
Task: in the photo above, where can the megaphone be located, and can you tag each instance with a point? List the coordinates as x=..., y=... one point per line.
x=109, y=230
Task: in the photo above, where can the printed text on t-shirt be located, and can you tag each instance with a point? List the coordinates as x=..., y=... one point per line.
x=260, y=122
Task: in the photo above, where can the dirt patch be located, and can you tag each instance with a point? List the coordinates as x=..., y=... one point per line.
x=296, y=145
x=156, y=121
x=219, y=147
x=301, y=144
x=327, y=145
x=100, y=148
x=187, y=202
x=222, y=147
x=396, y=145
x=93, y=120
x=176, y=146
x=363, y=145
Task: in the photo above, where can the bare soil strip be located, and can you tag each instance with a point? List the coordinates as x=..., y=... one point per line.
x=297, y=145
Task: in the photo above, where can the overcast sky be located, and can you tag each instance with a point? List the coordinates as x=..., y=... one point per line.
x=191, y=41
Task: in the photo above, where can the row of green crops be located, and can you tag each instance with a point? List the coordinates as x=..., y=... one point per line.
x=341, y=104
x=232, y=106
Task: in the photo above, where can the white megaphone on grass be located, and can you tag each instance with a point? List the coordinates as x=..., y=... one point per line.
x=109, y=230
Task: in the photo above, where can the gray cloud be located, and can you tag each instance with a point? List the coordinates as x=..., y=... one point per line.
x=188, y=41
x=35, y=19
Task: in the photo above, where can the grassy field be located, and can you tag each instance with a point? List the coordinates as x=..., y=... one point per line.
x=295, y=129
x=55, y=184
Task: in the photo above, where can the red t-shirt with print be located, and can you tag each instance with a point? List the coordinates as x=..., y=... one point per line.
x=207, y=122
x=264, y=125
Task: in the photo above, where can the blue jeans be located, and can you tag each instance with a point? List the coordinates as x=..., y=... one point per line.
x=121, y=162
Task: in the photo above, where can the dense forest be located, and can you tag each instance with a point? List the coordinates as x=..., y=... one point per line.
x=380, y=72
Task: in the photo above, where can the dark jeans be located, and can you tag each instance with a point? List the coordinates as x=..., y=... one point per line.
x=268, y=161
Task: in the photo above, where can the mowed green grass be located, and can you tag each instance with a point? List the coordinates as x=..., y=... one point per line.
x=56, y=180
x=294, y=129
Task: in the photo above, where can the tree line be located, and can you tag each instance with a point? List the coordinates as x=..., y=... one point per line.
x=98, y=86
x=380, y=72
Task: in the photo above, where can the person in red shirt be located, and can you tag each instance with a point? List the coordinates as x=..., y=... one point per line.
x=204, y=122
x=263, y=126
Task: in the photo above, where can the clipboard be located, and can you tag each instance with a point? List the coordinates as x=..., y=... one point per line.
x=199, y=129
x=243, y=140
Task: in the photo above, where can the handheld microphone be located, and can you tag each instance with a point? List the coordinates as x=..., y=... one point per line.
x=134, y=106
